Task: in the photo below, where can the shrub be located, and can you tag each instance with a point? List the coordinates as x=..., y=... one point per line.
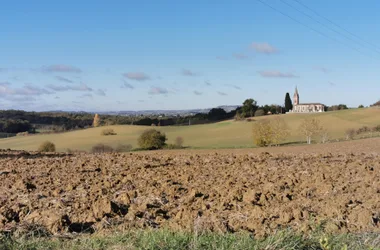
x=108, y=131
x=262, y=133
x=361, y=106
x=101, y=148
x=47, y=147
x=377, y=128
x=171, y=146
x=123, y=148
x=376, y=104
x=179, y=142
x=72, y=151
x=152, y=139
x=259, y=112
x=22, y=133
x=350, y=133
x=269, y=132
x=363, y=129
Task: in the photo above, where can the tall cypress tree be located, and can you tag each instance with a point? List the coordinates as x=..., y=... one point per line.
x=288, y=103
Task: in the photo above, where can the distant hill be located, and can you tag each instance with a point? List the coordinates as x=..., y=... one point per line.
x=180, y=112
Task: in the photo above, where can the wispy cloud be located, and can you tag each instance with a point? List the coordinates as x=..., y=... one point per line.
x=264, y=48
x=26, y=90
x=5, y=83
x=63, y=79
x=233, y=86
x=240, y=56
x=101, y=92
x=331, y=83
x=222, y=58
x=141, y=101
x=87, y=96
x=137, y=76
x=57, y=97
x=207, y=83
x=221, y=93
x=20, y=99
x=197, y=92
x=277, y=74
x=59, y=88
x=158, y=91
x=187, y=72
x=322, y=69
x=127, y=85
x=61, y=68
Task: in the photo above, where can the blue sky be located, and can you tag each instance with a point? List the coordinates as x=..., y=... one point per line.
x=135, y=55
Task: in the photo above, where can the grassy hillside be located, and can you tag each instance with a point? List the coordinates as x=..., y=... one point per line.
x=228, y=134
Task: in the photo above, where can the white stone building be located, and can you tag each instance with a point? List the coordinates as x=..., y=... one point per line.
x=305, y=107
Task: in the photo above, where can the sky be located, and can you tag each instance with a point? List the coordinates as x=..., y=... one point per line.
x=144, y=55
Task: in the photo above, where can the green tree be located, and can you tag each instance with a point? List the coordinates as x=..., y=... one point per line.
x=217, y=114
x=288, y=103
x=249, y=108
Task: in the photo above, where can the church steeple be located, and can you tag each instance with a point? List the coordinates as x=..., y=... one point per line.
x=296, y=97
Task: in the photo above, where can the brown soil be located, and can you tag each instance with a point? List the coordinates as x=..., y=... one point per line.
x=334, y=185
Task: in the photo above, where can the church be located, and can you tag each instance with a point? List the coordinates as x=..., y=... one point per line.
x=305, y=107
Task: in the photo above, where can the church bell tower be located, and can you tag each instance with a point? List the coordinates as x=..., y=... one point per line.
x=296, y=98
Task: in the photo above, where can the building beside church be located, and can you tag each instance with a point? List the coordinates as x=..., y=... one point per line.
x=305, y=107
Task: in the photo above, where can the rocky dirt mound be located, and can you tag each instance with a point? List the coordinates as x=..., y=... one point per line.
x=223, y=192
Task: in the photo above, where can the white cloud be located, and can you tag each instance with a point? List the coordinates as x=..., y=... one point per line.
x=158, y=91
x=61, y=68
x=277, y=74
x=127, y=85
x=240, y=56
x=26, y=90
x=101, y=92
x=63, y=79
x=264, y=48
x=233, y=86
x=322, y=69
x=187, y=72
x=137, y=76
x=59, y=88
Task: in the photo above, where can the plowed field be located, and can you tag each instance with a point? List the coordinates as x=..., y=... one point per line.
x=336, y=186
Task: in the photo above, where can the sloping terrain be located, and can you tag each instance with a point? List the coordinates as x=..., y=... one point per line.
x=228, y=134
x=336, y=187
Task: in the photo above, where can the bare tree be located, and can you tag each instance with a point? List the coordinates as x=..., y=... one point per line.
x=324, y=136
x=179, y=141
x=96, y=122
x=350, y=133
x=310, y=127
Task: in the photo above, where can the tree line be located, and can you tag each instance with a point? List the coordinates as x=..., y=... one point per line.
x=15, y=121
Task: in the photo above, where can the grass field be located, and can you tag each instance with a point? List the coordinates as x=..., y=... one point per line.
x=227, y=134
x=162, y=239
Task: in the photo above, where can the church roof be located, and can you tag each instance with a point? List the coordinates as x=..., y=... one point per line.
x=316, y=103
